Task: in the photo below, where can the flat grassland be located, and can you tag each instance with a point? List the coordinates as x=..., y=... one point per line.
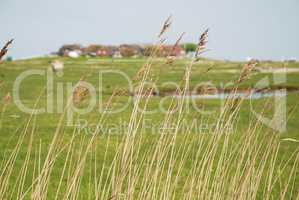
x=192, y=164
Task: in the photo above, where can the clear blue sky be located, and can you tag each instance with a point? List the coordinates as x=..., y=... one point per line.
x=267, y=29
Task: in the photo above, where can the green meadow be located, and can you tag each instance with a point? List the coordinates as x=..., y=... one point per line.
x=205, y=149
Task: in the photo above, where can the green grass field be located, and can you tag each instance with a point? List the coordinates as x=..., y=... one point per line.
x=44, y=157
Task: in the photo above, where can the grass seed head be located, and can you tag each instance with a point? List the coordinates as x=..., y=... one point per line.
x=5, y=48
x=247, y=69
x=201, y=46
x=165, y=26
x=7, y=99
x=80, y=93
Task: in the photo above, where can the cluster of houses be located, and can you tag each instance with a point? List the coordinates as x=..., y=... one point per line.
x=125, y=50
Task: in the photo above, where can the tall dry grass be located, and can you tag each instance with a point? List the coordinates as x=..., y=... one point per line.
x=174, y=164
x=4, y=49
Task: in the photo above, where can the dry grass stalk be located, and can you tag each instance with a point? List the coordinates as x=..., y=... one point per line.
x=244, y=75
x=247, y=69
x=5, y=49
x=168, y=190
x=165, y=26
x=170, y=58
x=80, y=94
x=177, y=43
x=201, y=46
x=7, y=99
x=128, y=153
x=145, y=68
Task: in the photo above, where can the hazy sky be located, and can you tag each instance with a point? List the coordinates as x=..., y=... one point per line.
x=267, y=29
